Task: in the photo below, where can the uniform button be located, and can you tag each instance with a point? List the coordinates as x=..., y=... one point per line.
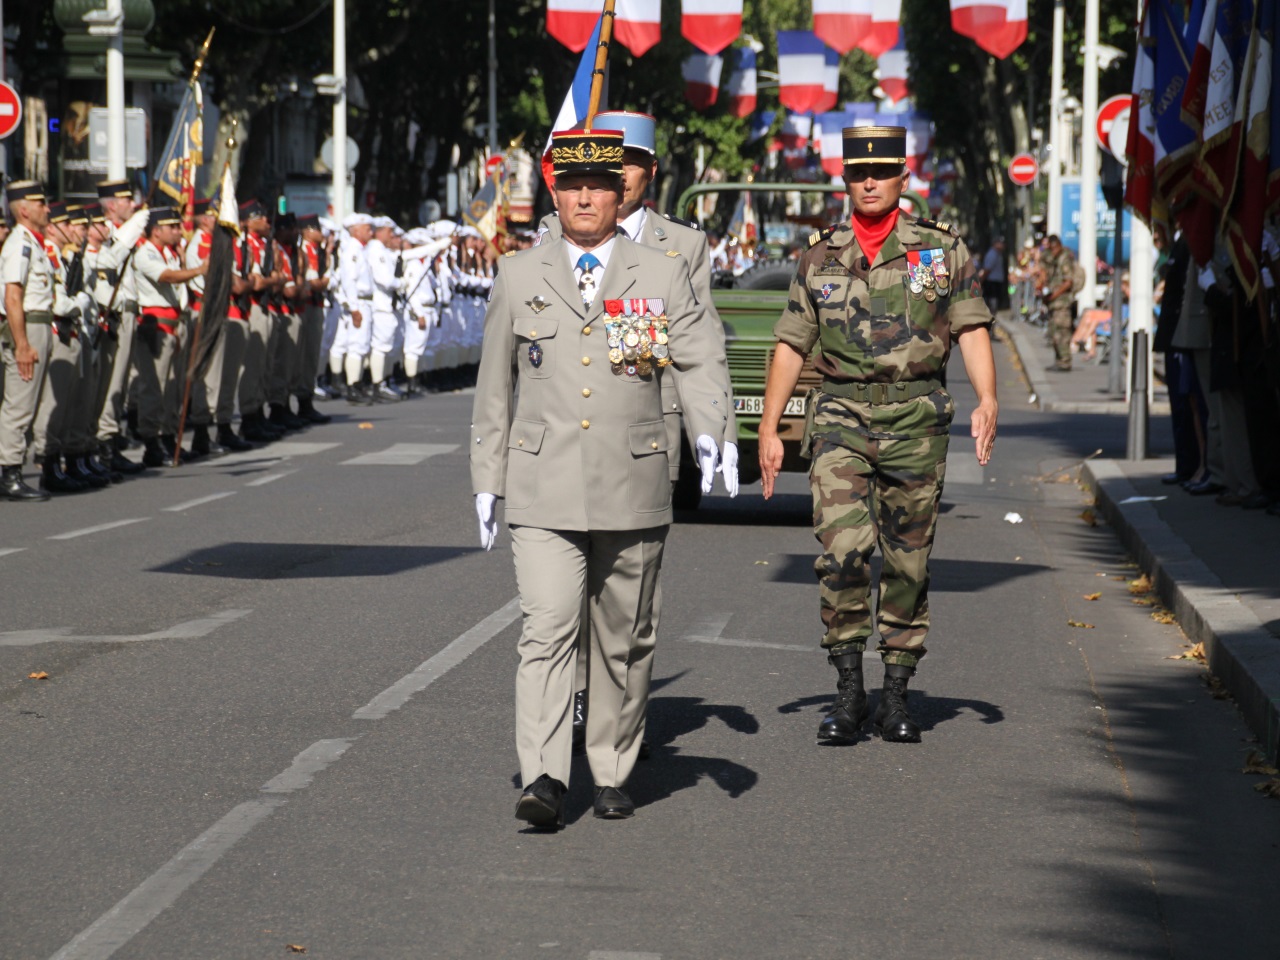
x=586, y=391
x=586, y=361
x=586, y=331
x=654, y=444
x=519, y=443
x=586, y=424
x=532, y=334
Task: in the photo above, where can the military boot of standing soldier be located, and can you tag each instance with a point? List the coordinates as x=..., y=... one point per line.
x=882, y=298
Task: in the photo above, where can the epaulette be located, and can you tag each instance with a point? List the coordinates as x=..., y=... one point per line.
x=819, y=235
x=509, y=253
x=673, y=253
x=684, y=223
x=940, y=225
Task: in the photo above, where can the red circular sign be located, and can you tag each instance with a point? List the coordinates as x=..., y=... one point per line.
x=1108, y=112
x=10, y=110
x=1023, y=169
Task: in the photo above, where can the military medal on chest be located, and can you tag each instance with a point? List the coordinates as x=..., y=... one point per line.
x=636, y=332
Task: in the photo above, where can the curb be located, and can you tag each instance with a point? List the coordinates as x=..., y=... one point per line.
x=1238, y=648
x=1046, y=397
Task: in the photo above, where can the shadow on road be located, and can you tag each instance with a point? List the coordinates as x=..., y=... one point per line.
x=280, y=561
x=946, y=575
x=927, y=711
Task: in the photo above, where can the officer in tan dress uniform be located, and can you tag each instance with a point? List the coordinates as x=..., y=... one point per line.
x=568, y=428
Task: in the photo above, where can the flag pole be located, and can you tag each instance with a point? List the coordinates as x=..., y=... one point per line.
x=602, y=57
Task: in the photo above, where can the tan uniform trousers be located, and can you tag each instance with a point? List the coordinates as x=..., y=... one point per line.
x=84, y=421
x=616, y=573
x=114, y=382
x=22, y=397
x=153, y=362
x=235, y=340
x=309, y=343
x=253, y=378
x=285, y=340
x=206, y=391
x=58, y=398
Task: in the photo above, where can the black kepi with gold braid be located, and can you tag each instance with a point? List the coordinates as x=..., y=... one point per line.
x=583, y=152
x=875, y=144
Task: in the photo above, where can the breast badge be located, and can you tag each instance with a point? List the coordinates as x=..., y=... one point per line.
x=636, y=331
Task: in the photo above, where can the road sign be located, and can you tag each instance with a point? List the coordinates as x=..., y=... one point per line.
x=1108, y=114
x=1023, y=169
x=1118, y=139
x=10, y=110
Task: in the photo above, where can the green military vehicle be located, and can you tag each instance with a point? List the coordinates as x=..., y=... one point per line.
x=750, y=304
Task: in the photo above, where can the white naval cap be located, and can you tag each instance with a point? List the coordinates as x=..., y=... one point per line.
x=380, y=222
x=356, y=220
x=418, y=236
x=441, y=229
x=327, y=225
x=469, y=231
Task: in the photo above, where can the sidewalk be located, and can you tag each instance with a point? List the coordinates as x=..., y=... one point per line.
x=1216, y=568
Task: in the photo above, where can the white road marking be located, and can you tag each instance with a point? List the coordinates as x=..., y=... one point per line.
x=429, y=671
x=98, y=529
x=158, y=892
x=708, y=630
x=187, y=630
x=401, y=455
x=270, y=478
x=5, y=551
x=280, y=450
x=199, y=501
x=622, y=955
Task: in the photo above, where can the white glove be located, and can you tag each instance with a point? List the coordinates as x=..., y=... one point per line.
x=88, y=307
x=708, y=455
x=1206, y=278
x=729, y=468
x=488, y=522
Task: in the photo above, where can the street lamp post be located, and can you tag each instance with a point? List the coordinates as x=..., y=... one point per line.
x=340, y=110
x=1089, y=160
x=1057, y=145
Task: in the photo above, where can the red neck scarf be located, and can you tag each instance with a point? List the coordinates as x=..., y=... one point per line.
x=873, y=231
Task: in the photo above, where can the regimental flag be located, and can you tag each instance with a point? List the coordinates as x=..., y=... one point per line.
x=884, y=31
x=1222, y=77
x=892, y=65
x=1174, y=28
x=638, y=25
x=802, y=68
x=997, y=26
x=832, y=126
x=572, y=21
x=702, y=79
x=711, y=25
x=573, y=111
x=743, y=222
x=484, y=212
x=1273, y=163
x=1248, y=207
x=217, y=282
x=740, y=91
x=184, y=150
x=841, y=24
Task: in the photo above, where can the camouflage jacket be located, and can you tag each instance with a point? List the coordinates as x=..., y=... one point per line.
x=882, y=324
x=1060, y=270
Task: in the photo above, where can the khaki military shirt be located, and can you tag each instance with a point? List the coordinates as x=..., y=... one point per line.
x=23, y=260
x=151, y=262
x=889, y=321
x=1061, y=269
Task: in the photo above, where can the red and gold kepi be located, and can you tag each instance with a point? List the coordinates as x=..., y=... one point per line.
x=580, y=152
x=875, y=144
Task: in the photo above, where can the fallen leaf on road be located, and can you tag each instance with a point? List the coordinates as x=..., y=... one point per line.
x=1143, y=601
x=38, y=675
x=366, y=426
x=1140, y=586
x=1099, y=574
x=1269, y=789
x=1081, y=624
x=1216, y=689
x=762, y=563
x=1089, y=517
x=1119, y=578
x=295, y=948
x=1161, y=615
x=1193, y=653
x=1093, y=596
x=1255, y=762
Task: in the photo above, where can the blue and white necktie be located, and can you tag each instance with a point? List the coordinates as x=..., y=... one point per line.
x=586, y=279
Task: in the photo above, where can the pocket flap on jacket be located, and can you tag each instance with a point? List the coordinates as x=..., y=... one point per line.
x=526, y=435
x=534, y=328
x=647, y=438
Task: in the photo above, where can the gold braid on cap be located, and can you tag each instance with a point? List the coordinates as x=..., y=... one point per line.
x=586, y=153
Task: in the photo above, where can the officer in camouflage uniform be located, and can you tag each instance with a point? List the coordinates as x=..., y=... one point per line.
x=1060, y=271
x=882, y=298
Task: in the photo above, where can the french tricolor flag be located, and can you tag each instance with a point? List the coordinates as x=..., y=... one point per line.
x=883, y=32
x=830, y=80
x=571, y=22
x=841, y=24
x=701, y=74
x=893, y=71
x=997, y=26
x=711, y=25
x=802, y=71
x=573, y=111
x=741, y=88
x=638, y=25
x=832, y=126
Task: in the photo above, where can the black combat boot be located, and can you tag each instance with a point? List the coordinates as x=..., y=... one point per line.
x=13, y=488
x=254, y=429
x=307, y=411
x=155, y=454
x=580, y=722
x=227, y=438
x=53, y=480
x=118, y=462
x=356, y=396
x=850, y=710
x=94, y=463
x=202, y=445
x=893, y=722
x=78, y=470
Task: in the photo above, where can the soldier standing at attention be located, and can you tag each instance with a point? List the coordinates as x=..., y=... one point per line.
x=1060, y=273
x=568, y=427
x=882, y=298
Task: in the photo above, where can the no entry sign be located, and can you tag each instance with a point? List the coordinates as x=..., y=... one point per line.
x=10, y=110
x=1023, y=169
x=1111, y=111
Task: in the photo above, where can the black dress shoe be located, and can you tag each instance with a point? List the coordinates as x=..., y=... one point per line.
x=1204, y=489
x=612, y=803
x=542, y=804
x=12, y=486
x=356, y=397
x=100, y=468
x=155, y=454
x=202, y=445
x=121, y=464
x=580, y=722
x=307, y=411
x=1169, y=479
x=77, y=470
x=227, y=438
x=54, y=480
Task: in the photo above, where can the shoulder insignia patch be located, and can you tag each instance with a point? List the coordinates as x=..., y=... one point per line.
x=940, y=225
x=673, y=253
x=819, y=235
x=684, y=223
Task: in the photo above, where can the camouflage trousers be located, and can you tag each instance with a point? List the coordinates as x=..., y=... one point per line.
x=1060, y=329
x=885, y=492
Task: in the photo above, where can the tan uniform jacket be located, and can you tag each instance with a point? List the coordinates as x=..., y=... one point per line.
x=568, y=443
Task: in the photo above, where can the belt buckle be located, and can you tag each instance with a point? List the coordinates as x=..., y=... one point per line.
x=878, y=393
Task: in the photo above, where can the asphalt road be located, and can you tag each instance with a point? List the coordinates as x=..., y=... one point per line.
x=279, y=711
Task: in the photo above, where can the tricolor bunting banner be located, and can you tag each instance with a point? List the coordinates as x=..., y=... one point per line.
x=997, y=26
x=884, y=30
x=572, y=21
x=802, y=71
x=710, y=25
x=841, y=24
x=638, y=25
x=701, y=73
x=740, y=90
x=892, y=65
